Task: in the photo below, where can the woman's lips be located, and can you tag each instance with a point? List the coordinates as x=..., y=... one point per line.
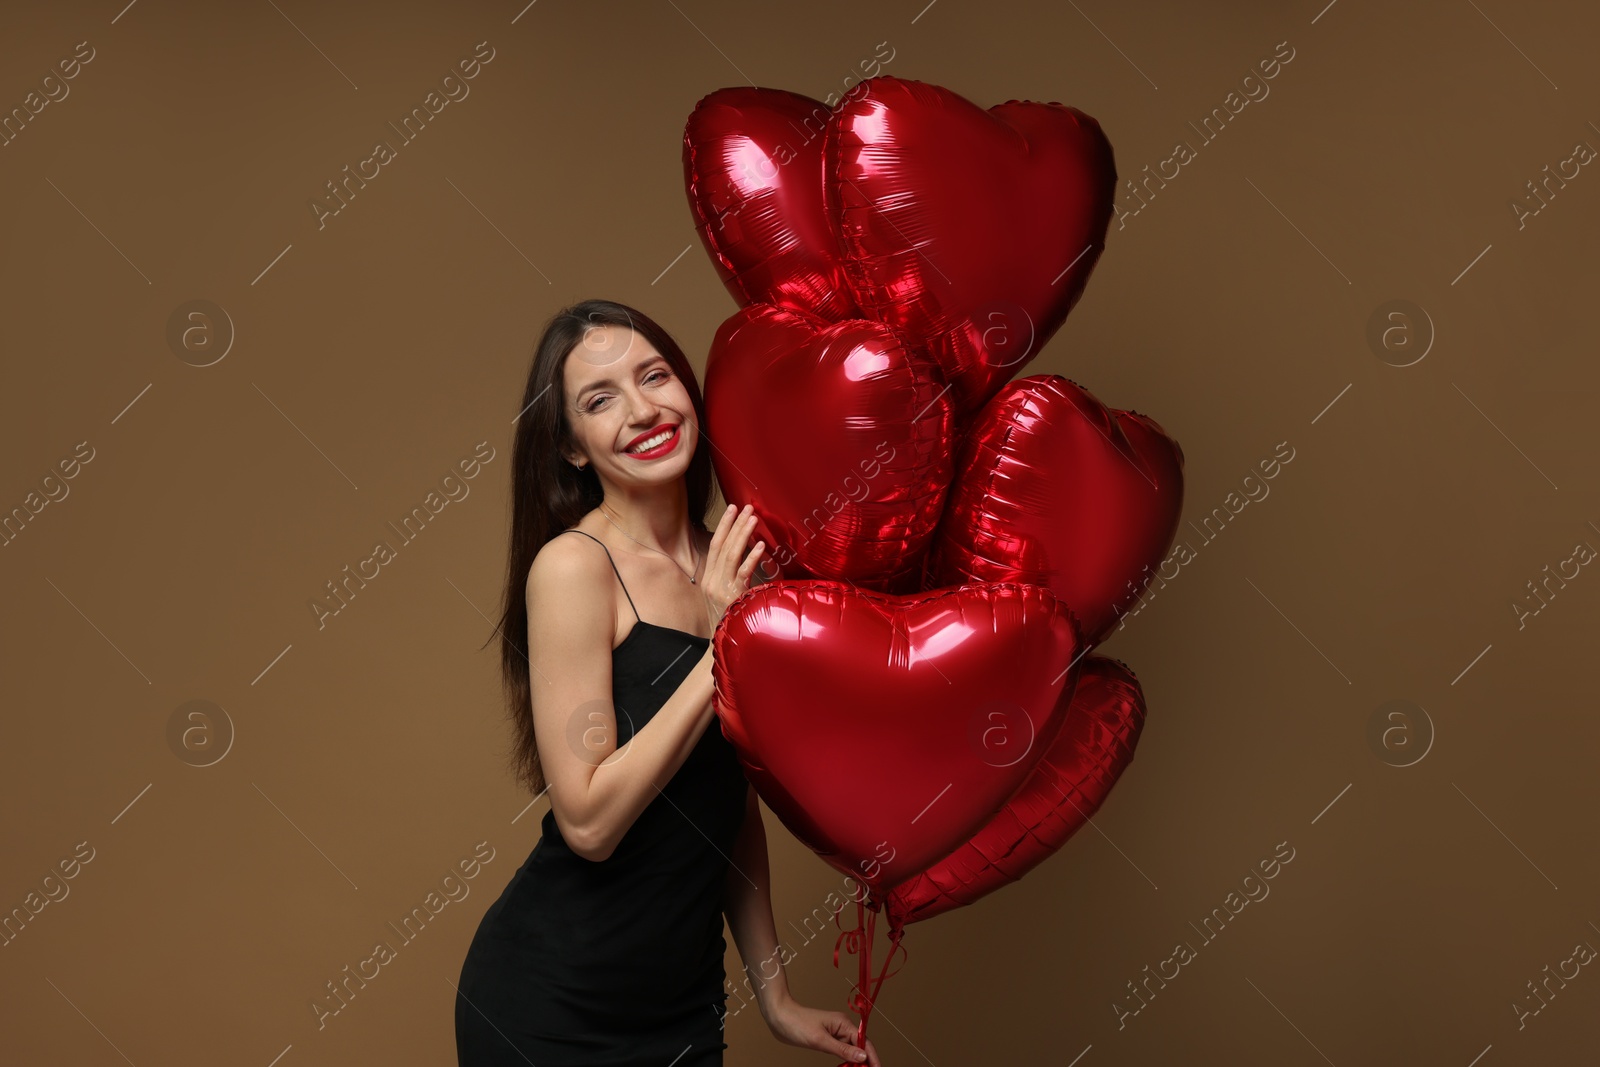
x=660, y=450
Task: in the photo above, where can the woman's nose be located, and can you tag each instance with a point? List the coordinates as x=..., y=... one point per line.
x=642, y=410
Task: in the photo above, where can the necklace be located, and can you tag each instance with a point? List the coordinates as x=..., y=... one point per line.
x=692, y=554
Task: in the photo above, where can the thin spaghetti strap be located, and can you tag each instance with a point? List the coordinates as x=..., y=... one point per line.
x=618, y=573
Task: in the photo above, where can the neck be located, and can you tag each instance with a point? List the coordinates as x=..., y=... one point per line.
x=657, y=516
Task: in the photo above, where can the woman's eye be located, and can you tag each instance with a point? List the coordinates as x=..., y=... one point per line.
x=597, y=401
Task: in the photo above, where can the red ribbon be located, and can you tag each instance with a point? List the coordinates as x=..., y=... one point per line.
x=858, y=940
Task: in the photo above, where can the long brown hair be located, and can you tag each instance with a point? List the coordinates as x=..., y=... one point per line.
x=549, y=495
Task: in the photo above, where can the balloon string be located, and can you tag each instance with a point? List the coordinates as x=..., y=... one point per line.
x=859, y=941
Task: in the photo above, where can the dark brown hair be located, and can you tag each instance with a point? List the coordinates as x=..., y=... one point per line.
x=549, y=495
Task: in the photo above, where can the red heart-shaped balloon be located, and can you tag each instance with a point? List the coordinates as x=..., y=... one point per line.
x=1054, y=488
x=838, y=434
x=752, y=166
x=863, y=720
x=1064, y=789
x=972, y=232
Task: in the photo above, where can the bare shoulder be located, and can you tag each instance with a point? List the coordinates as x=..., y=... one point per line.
x=569, y=579
x=567, y=556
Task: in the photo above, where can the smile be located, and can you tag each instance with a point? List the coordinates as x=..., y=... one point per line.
x=656, y=445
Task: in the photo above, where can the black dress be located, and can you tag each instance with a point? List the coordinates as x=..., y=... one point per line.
x=617, y=962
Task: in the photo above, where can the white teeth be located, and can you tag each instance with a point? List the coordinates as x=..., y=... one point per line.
x=645, y=446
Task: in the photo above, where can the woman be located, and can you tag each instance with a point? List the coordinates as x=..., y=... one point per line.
x=606, y=947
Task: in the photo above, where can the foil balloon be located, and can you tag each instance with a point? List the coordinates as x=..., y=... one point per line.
x=1064, y=789
x=971, y=232
x=752, y=164
x=1056, y=489
x=863, y=719
x=838, y=434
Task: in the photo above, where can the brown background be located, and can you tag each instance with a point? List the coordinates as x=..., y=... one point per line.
x=377, y=351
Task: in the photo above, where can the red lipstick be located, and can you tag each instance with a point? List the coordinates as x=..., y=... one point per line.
x=659, y=450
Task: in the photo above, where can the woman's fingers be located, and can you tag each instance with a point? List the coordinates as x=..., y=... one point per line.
x=725, y=575
x=750, y=563
x=727, y=529
x=718, y=536
x=843, y=1029
x=733, y=545
x=721, y=544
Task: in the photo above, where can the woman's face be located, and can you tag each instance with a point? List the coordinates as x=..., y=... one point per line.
x=630, y=415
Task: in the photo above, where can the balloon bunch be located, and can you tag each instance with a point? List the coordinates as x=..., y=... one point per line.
x=915, y=697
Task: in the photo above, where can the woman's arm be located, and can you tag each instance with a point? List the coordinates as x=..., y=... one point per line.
x=597, y=789
x=749, y=908
x=749, y=912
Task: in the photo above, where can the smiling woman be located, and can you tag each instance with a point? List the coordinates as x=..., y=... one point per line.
x=607, y=946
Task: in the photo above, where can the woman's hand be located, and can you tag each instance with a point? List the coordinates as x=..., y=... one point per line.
x=725, y=577
x=832, y=1032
